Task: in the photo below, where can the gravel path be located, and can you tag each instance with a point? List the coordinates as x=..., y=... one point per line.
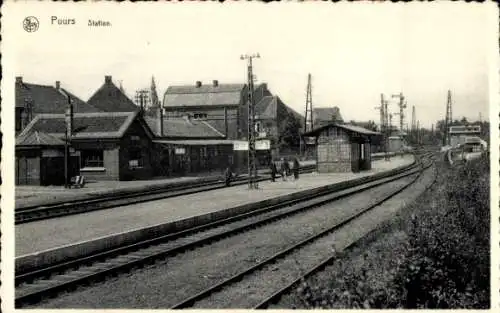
x=170, y=281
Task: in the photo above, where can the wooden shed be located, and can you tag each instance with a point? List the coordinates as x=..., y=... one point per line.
x=342, y=148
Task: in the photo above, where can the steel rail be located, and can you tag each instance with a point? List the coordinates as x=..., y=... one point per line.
x=90, y=274
x=275, y=297
x=189, y=302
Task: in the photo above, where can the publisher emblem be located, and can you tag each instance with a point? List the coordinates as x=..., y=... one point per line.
x=30, y=24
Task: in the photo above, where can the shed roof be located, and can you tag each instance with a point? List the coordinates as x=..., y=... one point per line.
x=180, y=127
x=222, y=94
x=110, y=125
x=351, y=128
x=48, y=99
x=37, y=139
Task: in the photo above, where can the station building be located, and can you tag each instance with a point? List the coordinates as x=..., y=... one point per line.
x=104, y=146
x=186, y=146
x=342, y=148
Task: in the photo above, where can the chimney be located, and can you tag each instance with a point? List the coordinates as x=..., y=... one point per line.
x=58, y=85
x=198, y=84
x=216, y=83
x=19, y=79
x=107, y=79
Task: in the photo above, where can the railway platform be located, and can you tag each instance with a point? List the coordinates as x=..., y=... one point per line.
x=75, y=230
x=44, y=195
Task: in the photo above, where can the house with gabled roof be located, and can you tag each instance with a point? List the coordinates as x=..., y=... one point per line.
x=33, y=99
x=105, y=145
x=109, y=98
x=221, y=105
x=272, y=115
x=325, y=115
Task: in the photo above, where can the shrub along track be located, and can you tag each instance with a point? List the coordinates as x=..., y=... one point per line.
x=34, y=286
x=36, y=213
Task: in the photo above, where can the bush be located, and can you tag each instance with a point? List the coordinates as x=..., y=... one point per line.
x=447, y=265
x=444, y=263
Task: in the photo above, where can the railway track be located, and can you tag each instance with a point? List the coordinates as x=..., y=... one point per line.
x=220, y=294
x=36, y=213
x=34, y=286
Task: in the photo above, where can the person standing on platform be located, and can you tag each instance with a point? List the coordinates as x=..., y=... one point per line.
x=284, y=168
x=296, y=166
x=228, y=175
x=273, y=171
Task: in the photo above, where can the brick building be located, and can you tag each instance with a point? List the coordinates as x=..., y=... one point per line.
x=33, y=99
x=106, y=145
x=342, y=148
x=186, y=146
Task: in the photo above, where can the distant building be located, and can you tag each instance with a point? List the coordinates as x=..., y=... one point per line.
x=221, y=105
x=459, y=134
x=109, y=98
x=33, y=99
x=325, y=116
x=271, y=115
x=225, y=107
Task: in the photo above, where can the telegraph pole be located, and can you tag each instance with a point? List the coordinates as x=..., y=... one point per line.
x=413, y=123
x=448, y=120
x=67, y=142
x=252, y=166
x=402, y=106
x=308, y=120
x=384, y=122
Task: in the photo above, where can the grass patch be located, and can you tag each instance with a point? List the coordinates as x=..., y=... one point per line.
x=434, y=254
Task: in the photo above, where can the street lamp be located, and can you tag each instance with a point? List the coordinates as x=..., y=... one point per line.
x=252, y=166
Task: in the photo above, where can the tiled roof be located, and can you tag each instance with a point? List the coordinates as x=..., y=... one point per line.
x=225, y=94
x=323, y=116
x=85, y=125
x=182, y=128
x=110, y=98
x=352, y=128
x=37, y=138
x=47, y=99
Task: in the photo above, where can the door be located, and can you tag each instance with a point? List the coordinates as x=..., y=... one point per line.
x=355, y=157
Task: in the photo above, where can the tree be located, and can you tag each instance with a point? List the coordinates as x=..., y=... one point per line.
x=289, y=132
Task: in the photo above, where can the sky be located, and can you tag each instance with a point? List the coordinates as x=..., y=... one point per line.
x=354, y=52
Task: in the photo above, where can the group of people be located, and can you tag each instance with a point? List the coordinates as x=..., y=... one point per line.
x=281, y=167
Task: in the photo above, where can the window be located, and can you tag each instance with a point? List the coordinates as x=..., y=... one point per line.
x=92, y=158
x=135, y=158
